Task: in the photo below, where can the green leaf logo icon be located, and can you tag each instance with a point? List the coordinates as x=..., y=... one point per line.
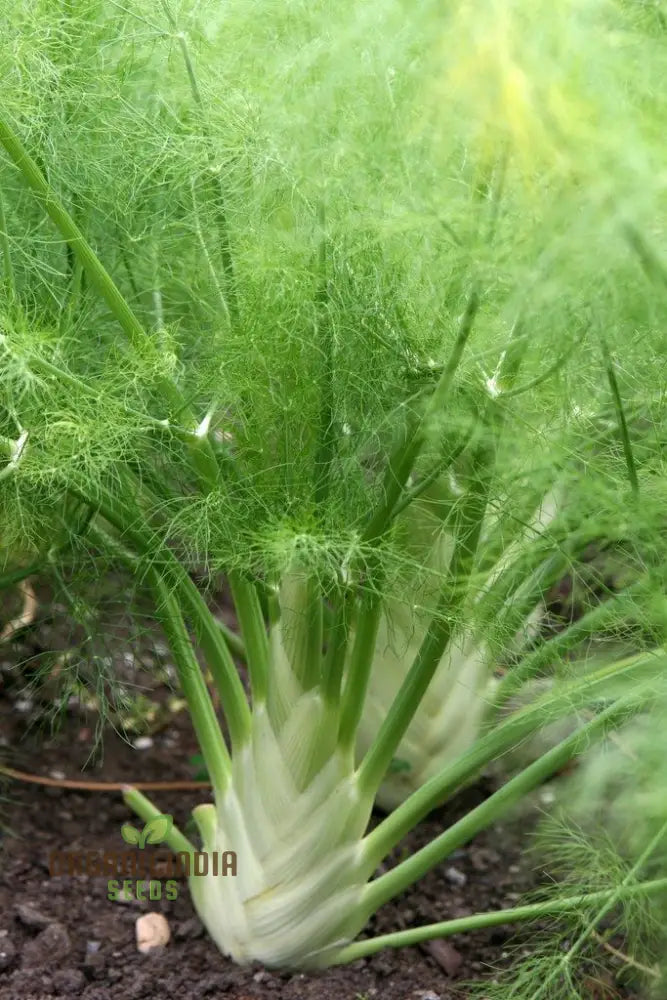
x=130, y=834
x=157, y=829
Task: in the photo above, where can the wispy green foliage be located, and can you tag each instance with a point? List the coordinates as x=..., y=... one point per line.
x=379, y=119
x=268, y=268
x=568, y=954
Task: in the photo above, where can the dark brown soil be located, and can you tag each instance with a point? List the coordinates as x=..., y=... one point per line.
x=62, y=936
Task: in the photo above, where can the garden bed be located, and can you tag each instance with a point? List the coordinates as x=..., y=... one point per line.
x=61, y=936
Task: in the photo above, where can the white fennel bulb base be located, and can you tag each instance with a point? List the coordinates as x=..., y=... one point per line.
x=295, y=897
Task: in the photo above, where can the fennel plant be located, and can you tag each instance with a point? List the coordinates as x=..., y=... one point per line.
x=451, y=713
x=266, y=313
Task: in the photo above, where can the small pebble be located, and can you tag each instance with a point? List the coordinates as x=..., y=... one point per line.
x=455, y=876
x=152, y=931
x=94, y=962
x=445, y=954
x=143, y=743
x=30, y=916
x=7, y=953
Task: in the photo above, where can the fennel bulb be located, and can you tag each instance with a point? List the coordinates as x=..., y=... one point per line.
x=449, y=717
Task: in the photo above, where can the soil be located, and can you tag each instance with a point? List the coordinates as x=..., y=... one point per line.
x=61, y=936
